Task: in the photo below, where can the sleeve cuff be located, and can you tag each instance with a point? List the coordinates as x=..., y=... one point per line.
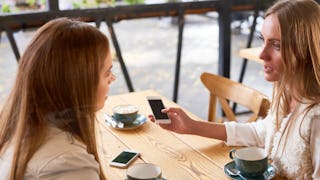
x=231, y=133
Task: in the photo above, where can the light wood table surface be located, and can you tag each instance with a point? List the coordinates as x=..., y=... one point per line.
x=181, y=157
x=251, y=54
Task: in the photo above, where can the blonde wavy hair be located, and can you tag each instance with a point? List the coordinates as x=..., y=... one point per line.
x=58, y=74
x=300, y=50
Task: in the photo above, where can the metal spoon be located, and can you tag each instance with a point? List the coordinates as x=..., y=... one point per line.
x=113, y=122
x=235, y=172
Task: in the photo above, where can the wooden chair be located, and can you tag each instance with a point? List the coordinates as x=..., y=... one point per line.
x=226, y=90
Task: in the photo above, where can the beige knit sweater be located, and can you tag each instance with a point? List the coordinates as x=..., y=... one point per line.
x=290, y=149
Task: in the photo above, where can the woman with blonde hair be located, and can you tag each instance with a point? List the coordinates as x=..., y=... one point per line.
x=290, y=133
x=47, y=125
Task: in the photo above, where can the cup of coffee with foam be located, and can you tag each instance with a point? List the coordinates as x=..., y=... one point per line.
x=125, y=113
x=144, y=171
x=250, y=161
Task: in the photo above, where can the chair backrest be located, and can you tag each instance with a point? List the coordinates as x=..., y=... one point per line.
x=225, y=90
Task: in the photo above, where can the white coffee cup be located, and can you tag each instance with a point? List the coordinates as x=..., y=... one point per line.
x=144, y=171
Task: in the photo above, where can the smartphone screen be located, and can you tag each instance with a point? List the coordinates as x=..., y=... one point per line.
x=124, y=158
x=156, y=107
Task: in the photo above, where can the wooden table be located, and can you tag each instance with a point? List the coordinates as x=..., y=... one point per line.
x=179, y=156
x=251, y=54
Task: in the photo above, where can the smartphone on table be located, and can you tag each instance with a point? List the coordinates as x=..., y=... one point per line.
x=156, y=105
x=123, y=159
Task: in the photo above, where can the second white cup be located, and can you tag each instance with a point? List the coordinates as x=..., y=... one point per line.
x=144, y=171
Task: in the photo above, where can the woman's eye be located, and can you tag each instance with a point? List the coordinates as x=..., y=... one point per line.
x=277, y=46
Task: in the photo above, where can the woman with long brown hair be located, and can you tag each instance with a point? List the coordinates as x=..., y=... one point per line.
x=290, y=133
x=47, y=125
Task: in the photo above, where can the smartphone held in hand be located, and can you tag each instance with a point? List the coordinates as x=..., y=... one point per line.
x=123, y=159
x=156, y=105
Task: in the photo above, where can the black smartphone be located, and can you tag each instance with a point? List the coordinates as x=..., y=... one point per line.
x=156, y=105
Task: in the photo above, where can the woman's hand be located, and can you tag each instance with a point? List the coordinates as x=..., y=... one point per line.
x=180, y=121
x=183, y=124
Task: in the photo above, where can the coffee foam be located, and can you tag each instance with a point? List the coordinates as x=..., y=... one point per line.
x=144, y=171
x=125, y=109
x=251, y=154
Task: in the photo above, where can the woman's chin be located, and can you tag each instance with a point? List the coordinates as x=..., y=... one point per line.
x=269, y=78
x=99, y=106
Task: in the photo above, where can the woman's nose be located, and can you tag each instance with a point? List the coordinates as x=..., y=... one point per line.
x=264, y=53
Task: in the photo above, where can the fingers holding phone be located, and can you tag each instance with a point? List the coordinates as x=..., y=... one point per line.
x=180, y=121
x=156, y=105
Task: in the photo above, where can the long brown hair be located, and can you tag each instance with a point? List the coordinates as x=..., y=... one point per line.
x=58, y=75
x=300, y=50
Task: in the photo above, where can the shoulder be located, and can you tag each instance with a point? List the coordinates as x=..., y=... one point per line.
x=312, y=114
x=62, y=155
x=314, y=111
x=310, y=119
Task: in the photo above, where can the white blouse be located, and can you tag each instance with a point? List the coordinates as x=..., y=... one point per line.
x=295, y=154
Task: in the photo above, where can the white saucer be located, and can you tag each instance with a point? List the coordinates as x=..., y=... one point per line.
x=139, y=121
x=268, y=174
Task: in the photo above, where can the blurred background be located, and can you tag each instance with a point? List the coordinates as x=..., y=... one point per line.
x=149, y=47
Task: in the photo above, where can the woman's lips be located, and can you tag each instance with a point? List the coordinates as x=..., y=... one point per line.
x=267, y=69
